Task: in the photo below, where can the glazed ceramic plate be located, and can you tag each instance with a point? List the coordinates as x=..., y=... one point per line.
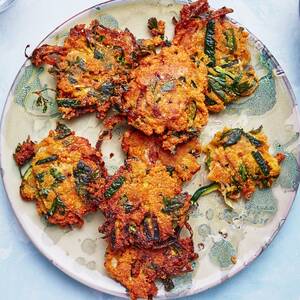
x=220, y=234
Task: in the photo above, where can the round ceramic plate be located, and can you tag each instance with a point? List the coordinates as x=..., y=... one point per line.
x=219, y=233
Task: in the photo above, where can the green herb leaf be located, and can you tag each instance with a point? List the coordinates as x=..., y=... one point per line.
x=193, y=84
x=254, y=141
x=62, y=131
x=217, y=84
x=73, y=103
x=168, y=284
x=81, y=63
x=84, y=175
x=40, y=177
x=47, y=159
x=124, y=201
x=174, y=204
x=209, y=102
x=101, y=38
x=98, y=54
x=210, y=43
x=114, y=187
x=167, y=86
x=132, y=228
x=232, y=136
x=58, y=176
x=43, y=192
x=57, y=204
x=261, y=162
x=204, y=190
x=192, y=111
x=152, y=23
x=72, y=80
x=230, y=39
x=170, y=170
x=243, y=172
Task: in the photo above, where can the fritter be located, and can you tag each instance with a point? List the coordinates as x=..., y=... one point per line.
x=239, y=161
x=138, y=269
x=63, y=177
x=166, y=96
x=24, y=152
x=91, y=68
x=143, y=206
x=147, y=148
x=223, y=46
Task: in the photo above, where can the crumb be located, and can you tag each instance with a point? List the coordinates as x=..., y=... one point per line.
x=233, y=259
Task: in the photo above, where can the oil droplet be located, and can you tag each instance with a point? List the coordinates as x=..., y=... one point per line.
x=88, y=246
x=91, y=265
x=80, y=260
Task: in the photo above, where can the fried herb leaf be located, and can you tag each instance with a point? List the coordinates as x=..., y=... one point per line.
x=72, y=80
x=124, y=201
x=106, y=90
x=83, y=176
x=152, y=23
x=232, y=136
x=230, y=39
x=261, y=162
x=132, y=228
x=209, y=102
x=210, y=43
x=57, y=204
x=98, y=54
x=43, y=192
x=257, y=130
x=62, y=131
x=170, y=170
x=254, y=141
x=217, y=85
x=114, y=187
x=243, y=172
x=174, y=204
x=167, y=86
x=72, y=103
x=168, y=284
x=58, y=176
x=40, y=177
x=192, y=111
x=47, y=159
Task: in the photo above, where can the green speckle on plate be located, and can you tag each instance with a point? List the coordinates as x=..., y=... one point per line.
x=209, y=214
x=204, y=230
x=222, y=253
x=261, y=207
x=228, y=215
x=108, y=21
x=290, y=170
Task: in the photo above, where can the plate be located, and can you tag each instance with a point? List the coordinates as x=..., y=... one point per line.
x=219, y=233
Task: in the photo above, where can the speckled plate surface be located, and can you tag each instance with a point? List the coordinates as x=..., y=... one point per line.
x=219, y=233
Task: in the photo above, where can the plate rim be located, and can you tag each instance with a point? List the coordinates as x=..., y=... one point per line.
x=81, y=279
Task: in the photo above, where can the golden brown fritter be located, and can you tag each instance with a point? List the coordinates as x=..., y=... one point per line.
x=143, y=205
x=183, y=162
x=63, y=177
x=239, y=161
x=223, y=46
x=166, y=96
x=138, y=269
x=91, y=68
